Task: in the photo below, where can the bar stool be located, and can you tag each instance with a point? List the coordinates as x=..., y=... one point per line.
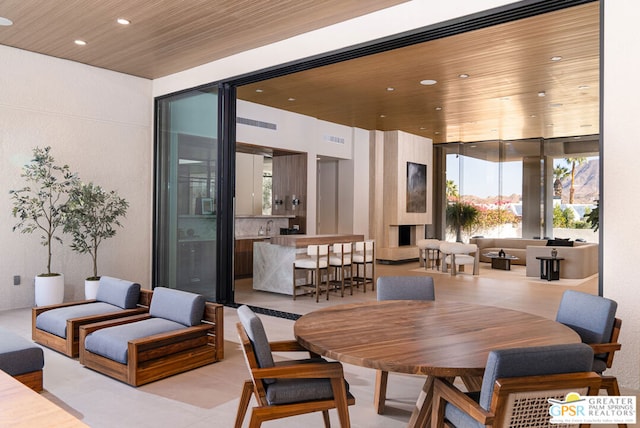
x=364, y=254
x=340, y=261
x=316, y=262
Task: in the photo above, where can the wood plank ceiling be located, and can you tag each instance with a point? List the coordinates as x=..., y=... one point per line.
x=165, y=36
x=508, y=65
x=509, y=69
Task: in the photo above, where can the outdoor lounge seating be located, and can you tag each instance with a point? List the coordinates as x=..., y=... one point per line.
x=57, y=326
x=21, y=359
x=180, y=332
x=516, y=387
x=287, y=388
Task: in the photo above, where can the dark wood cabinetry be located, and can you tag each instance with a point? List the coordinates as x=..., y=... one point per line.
x=243, y=263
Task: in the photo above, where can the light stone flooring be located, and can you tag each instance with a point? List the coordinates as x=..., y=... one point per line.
x=208, y=397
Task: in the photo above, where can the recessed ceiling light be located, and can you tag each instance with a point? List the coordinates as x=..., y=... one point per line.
x=437, y=132
x=542, y=94
x=123, y=21
x=390, y=89
x=428, y=82
x=259, y=91
x=438, y=108
x=5, y=22
x=80, y=42
x=532, y=115
x=463, y=76
x=583, y=87
x=556, y=58
x=291, y=99
x=383, y=116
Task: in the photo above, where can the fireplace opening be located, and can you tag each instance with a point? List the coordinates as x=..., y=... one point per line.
x=404, y=235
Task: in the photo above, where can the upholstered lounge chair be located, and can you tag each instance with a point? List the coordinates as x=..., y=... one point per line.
x=516, y=387
x=21, y=359
x=57, y=326
x=399, y=288
x=180, y=332
x=287, y=388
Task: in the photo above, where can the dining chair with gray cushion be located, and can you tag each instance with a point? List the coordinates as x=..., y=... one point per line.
x=516, y=387
x=399, y=288
x=594, y=319
x=290, y=387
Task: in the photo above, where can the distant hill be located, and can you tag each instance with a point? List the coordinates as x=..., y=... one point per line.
x=587, y=183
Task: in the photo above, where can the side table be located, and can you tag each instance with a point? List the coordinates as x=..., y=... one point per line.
x=550, y=268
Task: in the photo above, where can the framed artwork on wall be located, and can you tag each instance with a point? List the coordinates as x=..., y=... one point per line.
x=416, y=188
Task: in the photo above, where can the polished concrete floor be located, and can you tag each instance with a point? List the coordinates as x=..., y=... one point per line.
x=208, y=397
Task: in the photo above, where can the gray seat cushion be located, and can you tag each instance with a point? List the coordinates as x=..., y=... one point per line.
x=18, y=355
x=54, y=321
x=179, y=306
x=285, y=391
x=112, y=342
x=118, y=292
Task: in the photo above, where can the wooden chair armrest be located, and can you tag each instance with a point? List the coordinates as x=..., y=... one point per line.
x=286, y=346
x=300, y=371
x=445, y=390
x=603, y=348
x=90, y=328
x=91, y=319
x=162, y=339
x=40, y=309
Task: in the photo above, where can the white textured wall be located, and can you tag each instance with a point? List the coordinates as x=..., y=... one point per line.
x=100, y=123
x=620, y=154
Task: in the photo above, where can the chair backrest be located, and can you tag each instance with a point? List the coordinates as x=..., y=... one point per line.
x=591, y=316
x=255, y=331
x=342, y=248
x=362, y=246
x=532, y=361
x=405, y=288
x=176, y=305
x=318, y=250
x=457, y=248
x=119, y=292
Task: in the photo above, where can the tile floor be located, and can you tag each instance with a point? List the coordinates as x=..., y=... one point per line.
x=208, y=397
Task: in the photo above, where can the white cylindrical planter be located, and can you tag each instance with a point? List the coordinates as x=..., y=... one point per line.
x=91, y=288
x=49, y=290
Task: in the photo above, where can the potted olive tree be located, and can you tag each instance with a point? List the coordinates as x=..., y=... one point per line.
x=91, y=216
x=39, y=207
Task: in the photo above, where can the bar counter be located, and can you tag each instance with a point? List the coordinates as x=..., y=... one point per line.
x=273, y=261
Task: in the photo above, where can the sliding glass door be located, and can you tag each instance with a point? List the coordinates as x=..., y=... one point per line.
x=186, y=236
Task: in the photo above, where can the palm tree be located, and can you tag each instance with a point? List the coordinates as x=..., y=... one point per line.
x=574, y=162
x=452, y=189
x=559, y=173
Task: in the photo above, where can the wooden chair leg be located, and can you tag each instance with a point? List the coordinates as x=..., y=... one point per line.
x=340, y=397
x=610, y=383
x=380, y=393
x=243, y=405
x=325, y=418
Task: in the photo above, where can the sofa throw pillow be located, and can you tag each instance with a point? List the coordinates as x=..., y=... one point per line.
x=559, y=243
x=179, y=306
x=119, y=292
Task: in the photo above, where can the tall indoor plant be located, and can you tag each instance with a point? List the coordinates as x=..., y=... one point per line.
x=39, y=206
x=91, y=216
x=461, y=215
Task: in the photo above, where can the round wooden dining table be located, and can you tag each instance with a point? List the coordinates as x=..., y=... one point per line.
x=432, y=338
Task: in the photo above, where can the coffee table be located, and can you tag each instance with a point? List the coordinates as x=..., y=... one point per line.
x=432, y=338
x=500, y=262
